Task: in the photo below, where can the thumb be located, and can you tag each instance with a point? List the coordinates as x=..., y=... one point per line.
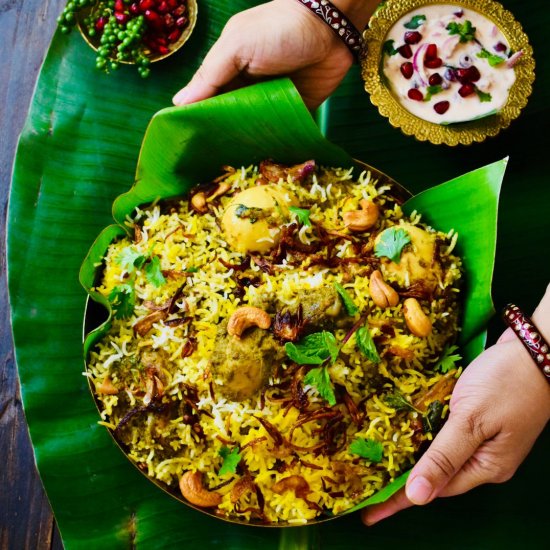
x=452, y=447
x=219, y=68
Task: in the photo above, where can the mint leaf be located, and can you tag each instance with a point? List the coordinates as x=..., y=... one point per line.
x=431, y=91
x=123, y=301
x=483, y=96
x=391, y=244
x=415, y=22
x=314, y=349
x=230, y=460
x=367, y=448
x=349, y=304
x=366, y=344
x=302, y=214
x=153, y=273
x=398, y=402
x=319, y=378
x=449, y=359
x=465, y=30
x=129, y=259
x=494, y=60
x=388, y=47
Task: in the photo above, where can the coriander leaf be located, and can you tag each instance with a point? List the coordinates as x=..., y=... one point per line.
x=123, y=300
x=314, y=349
x=349, y=304
x=465, y=30
x=192, y=269
x=153, y=272
x=319, y=378
x=415, y=22
x=391, y=244
x=302, y=214
x=129, y=259
x=366, y=344
x=388, y=47
x=398, y=402
x=230, y=460
x=483, y=96
x=367, y=448
x=448, y=360
x=431, y=91
x=494, y=60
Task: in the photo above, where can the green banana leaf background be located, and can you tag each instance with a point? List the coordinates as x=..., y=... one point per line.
x=79, y=150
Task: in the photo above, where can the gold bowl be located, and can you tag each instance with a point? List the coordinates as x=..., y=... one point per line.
x=94, y=41
x=463, y=133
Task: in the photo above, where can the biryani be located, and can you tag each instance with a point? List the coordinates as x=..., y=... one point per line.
x=282, y=341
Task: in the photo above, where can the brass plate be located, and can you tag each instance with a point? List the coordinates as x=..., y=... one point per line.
x=464, y=133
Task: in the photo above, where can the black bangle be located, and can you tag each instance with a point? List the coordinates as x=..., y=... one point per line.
x=530, y=337
x=338, y=22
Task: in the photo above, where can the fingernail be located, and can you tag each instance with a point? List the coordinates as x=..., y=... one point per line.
x=419, y=490
x=180, y=97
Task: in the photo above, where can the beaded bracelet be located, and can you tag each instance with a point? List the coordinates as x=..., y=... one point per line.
x=338, y=22
x=530, y=337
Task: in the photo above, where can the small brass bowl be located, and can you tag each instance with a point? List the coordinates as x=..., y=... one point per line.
x=464, y=133
x=191, y=14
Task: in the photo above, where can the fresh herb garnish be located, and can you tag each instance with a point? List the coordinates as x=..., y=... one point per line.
x=398, y=402
x=349, y=304
x=231, y=460
x=252, y=213
x=465, y=31
x=319, y=378
x=448, y=360
x=494, y=60
x=433, y=418
x=431, y=91
x=388, y=47
x=153, y=272
x=415, y=22
x=130, y=259
x=302, y=214
x=367, y=448
x=314, y=349
x=192, y=269
x=391, y=244
x=484, y=97
x=123, y=301
x=366, y=344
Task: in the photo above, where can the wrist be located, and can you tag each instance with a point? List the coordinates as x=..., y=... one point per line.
x=357, y=11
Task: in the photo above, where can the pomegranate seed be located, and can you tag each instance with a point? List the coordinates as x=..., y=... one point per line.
x=431, y=51
x=119, y=5
x=145, y=5
x=473, y=74
x=121, y=18
x=163, y=7
x=500, y=47
x=466, y=90
x=413, y=37
x=459, y=13
x=163, y=50
x=152, y=16
x=465, y=76
x=442, y=107
x=415, y=94
x=134, y=8
x=433, y=63
x=173, y=4
x=435, y=80
x=407, y=69
x=174, y=36
x=100, y=24
x=179, y=11
x=181, y=22
x=169, y=21
x=161, y=41
x=406, y=51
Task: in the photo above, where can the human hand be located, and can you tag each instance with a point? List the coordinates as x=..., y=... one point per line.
x=280, y=37
x=499, y=407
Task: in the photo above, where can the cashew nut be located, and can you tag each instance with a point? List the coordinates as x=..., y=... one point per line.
x=198, y=202
x=361, y=220
x=192, y=489
x=382, y=294
x=417, y=321
x=246, y=317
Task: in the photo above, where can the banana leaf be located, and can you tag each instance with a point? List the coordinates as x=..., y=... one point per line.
x=78, y=151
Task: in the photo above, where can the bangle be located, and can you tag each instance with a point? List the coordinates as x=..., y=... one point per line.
x=530, y=337
x=338, y=22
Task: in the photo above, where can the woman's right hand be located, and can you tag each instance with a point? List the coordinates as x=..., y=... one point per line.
x=280, y=37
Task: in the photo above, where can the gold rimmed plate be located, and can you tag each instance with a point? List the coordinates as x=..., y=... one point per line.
x=465, y=133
